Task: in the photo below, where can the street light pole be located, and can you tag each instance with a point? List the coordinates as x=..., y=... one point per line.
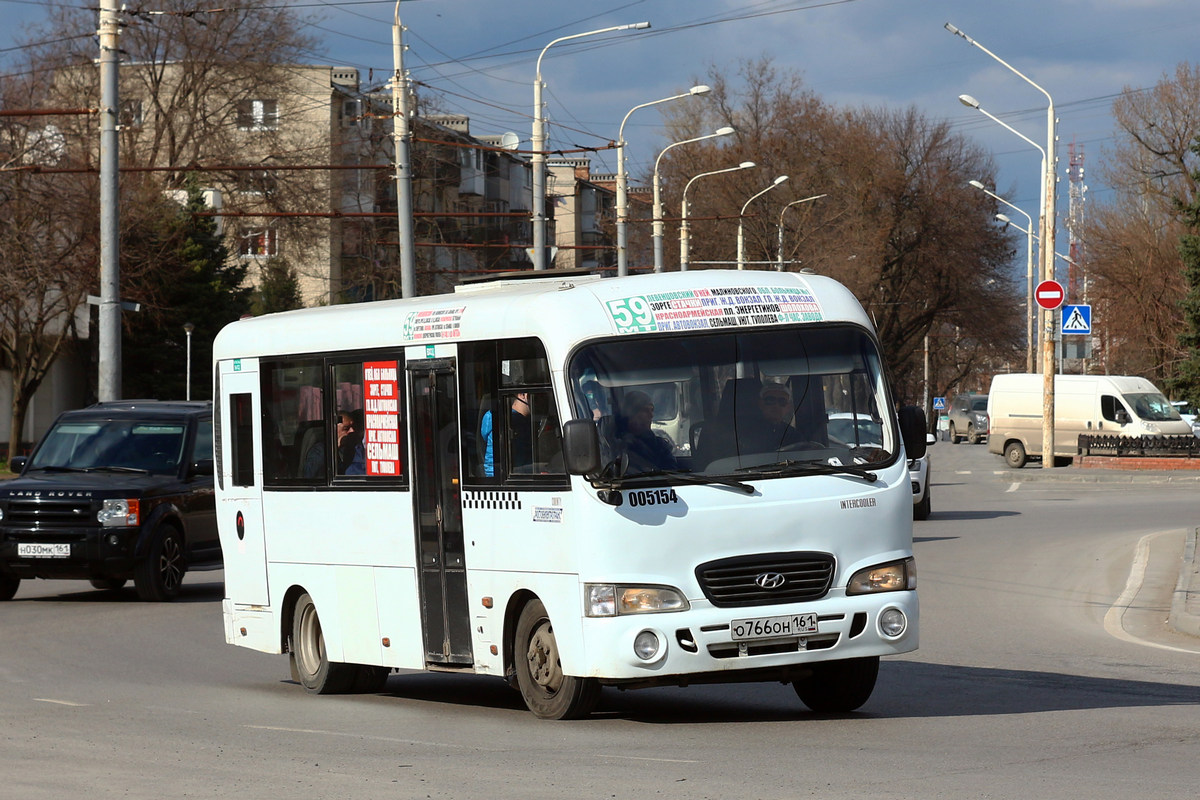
x=741, y=236
x=1030, y=314
x=187, y=391
x=623, y=177
x=539, y=144
x=1048, y=230
x=779, y=268
x=683, y=221
x=658, y=209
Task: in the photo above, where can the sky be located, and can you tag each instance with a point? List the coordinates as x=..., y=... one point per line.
x=880, y=53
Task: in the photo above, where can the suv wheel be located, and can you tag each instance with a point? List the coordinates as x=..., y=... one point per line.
x=8, y=586
x=953, y=434
x=159, y=575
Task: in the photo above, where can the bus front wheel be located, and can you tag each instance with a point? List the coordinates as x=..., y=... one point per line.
x=548, y=693
x=310, y=664
x=837, y=687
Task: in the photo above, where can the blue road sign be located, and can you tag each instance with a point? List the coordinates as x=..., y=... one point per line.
x=939, y=404
x=1076, y=319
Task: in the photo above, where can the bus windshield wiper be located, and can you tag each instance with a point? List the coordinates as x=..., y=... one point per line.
x=691, y=477
x=792, y=467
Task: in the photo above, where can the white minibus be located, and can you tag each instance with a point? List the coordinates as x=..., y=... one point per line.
x=476, y=483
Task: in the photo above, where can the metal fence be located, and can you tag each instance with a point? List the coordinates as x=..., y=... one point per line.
x=1181, y=446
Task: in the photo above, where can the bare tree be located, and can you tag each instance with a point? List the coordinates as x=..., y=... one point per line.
x=1134, y=268
x=898, y=225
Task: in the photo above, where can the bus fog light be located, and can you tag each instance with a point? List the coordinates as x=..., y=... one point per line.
x=892, y=622
x=646, y=645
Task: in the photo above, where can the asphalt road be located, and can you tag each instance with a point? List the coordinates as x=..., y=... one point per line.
x=1046, y=670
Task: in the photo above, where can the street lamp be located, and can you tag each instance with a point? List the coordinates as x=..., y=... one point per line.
x=741, y=237
x=1049, y=201
x=658, y=209
x=779, y=268
x=623, y=176
x=1030, y=314
x=539, y=144
x=683, y=222
x=187, y=391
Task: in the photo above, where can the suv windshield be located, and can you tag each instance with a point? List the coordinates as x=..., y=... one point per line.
x=154, y=447
x=759, y=404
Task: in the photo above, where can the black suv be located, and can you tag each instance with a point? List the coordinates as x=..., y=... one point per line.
x=114, y=491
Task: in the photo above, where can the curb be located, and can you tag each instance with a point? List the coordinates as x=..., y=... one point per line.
x=1185, y=602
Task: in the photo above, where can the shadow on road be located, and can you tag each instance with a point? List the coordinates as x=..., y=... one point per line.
x=906, y=690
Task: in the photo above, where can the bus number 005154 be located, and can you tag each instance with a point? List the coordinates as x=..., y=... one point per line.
x=652, y=497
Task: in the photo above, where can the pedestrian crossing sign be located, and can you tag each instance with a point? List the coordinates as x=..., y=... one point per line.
x=1076, y=319
x=939, y=404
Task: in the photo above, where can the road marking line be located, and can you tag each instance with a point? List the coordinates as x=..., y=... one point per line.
x=1137, y=574
x=60, y=702
x=1012, y=487
x=660, y=760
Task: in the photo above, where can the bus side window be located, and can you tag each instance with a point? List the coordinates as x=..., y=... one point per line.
x=510, y=422
x=293, y=403
x=369, y=428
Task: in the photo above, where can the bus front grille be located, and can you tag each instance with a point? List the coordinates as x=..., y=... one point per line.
x=766, y=579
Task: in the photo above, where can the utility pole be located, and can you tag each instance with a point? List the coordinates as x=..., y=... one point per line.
x=401, y=137
x=108, y=383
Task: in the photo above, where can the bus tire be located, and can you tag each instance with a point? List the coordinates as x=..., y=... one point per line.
x=547, y=692
x=838, y=687
x=159, y=576
x=1014, y=455
x=310, y=664
x=8, y=586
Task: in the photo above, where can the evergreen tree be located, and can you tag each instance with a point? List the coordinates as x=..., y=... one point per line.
x=278, y=289
x=193, y=280
x=1185, y=384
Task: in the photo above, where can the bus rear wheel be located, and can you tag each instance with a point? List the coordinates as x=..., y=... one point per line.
x=310, y=664
x=548, y=693
x=837, y=687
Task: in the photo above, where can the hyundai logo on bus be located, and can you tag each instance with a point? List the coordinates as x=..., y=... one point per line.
x=769, y=580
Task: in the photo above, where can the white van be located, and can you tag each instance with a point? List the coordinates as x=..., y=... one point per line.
x=1119, y=405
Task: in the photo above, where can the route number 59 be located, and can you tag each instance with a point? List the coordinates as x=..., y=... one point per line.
x=632, y=314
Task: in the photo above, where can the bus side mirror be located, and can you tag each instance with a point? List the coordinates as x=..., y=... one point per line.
x=912, y=430
x=581, y=447
x=1122, y=416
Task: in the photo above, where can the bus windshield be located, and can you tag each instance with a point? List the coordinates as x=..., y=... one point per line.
x=756, y=404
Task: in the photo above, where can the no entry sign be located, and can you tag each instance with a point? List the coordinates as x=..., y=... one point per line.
x=1049, y=295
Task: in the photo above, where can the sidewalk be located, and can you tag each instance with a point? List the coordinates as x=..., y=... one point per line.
x=1185, y=602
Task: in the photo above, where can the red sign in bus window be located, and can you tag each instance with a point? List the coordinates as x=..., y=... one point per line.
x=381, y=412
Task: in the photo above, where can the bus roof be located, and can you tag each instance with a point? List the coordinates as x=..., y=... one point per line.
x=560, y=309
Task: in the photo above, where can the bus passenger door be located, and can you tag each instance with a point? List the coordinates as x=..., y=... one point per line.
x=440, y=549
x=239, y=469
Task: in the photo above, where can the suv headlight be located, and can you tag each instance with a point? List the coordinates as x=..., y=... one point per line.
x=119, y=513
x=896, y=576
x=611, y=600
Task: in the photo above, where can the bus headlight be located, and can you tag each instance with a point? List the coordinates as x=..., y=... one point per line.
x=119, y=513
x=896, y=576
x=610, y=600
